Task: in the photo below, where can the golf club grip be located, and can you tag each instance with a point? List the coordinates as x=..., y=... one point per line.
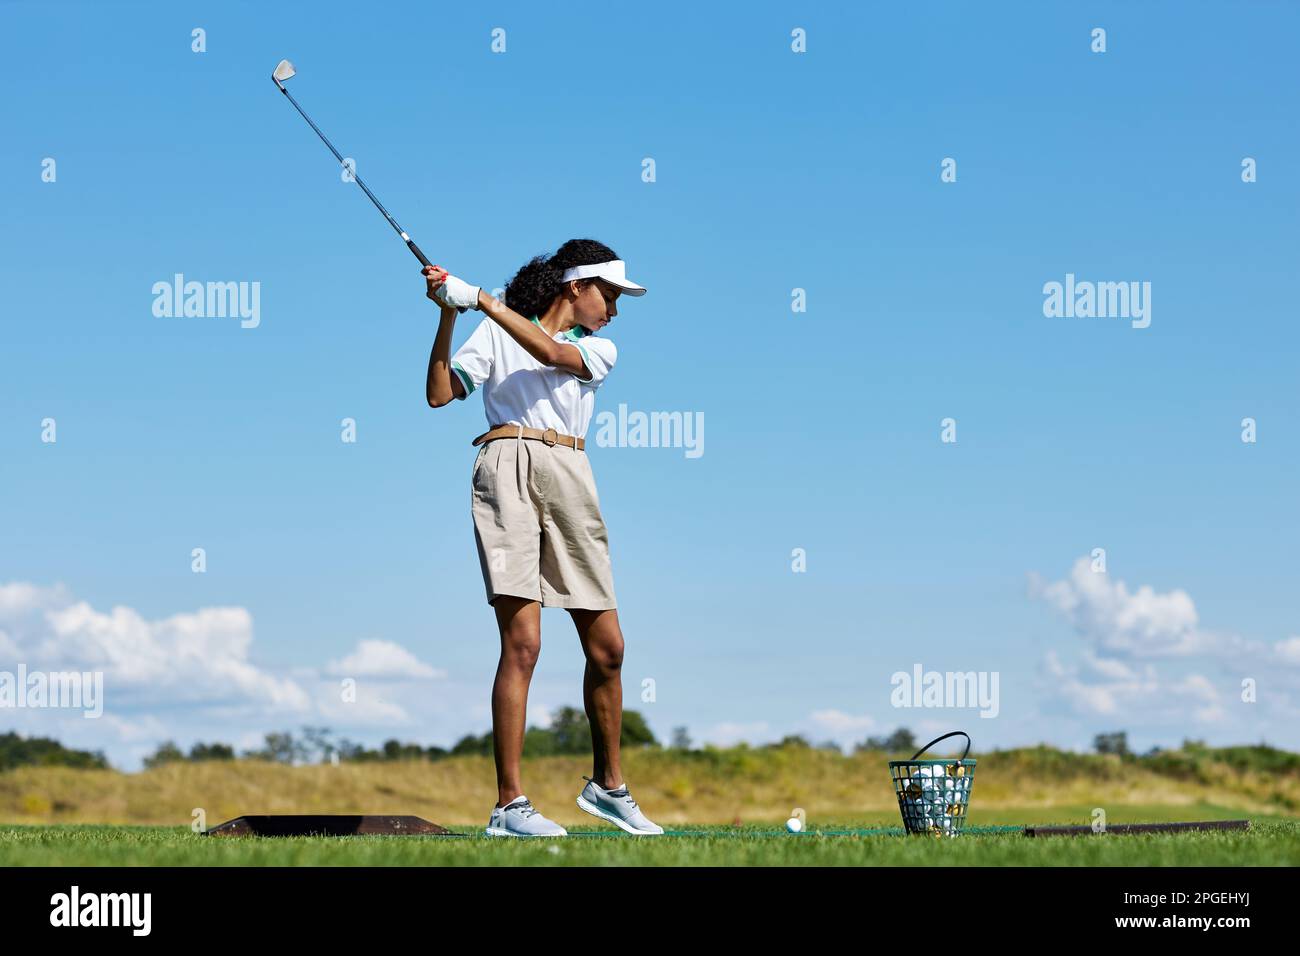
x=418, y=254
x=426, y=263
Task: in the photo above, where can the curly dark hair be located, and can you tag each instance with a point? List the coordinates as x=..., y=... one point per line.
x=535, y=286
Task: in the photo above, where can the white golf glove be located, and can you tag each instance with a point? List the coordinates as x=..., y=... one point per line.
x=457, y=294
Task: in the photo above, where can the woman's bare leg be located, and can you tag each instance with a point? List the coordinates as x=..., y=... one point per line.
x=602, y=690
x=520, y=623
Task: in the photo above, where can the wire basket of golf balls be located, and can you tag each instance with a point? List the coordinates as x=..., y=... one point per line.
x=934, y=795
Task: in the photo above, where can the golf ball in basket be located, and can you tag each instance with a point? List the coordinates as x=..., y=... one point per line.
x=794, y=824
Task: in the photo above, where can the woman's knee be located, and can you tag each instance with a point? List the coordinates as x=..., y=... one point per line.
x=606, y=652
x=521, y=633
x=520, y=647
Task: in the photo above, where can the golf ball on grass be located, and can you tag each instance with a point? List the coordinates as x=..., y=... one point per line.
x=794, y=824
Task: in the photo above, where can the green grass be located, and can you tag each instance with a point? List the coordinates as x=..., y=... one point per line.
x=675, y=787
x=1272, y=841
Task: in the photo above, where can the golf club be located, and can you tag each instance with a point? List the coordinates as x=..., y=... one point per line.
x=283, y=71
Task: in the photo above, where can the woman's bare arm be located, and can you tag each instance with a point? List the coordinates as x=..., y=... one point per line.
x=530, y=337
x=441, y=384
x=533, y=338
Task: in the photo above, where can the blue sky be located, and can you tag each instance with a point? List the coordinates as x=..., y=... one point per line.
x=775, y=171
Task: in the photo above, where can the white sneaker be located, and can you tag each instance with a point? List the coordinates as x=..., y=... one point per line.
x=616, y=807
x=518, y=819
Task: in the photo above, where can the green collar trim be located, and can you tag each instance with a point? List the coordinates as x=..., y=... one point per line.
x=572, y=335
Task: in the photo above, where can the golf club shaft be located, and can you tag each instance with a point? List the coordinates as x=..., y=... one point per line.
x=410, y=243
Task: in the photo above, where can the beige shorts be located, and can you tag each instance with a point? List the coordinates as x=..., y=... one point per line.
x=538, y=525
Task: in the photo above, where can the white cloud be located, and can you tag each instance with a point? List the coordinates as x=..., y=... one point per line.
x=382, y=660
x=193, y=658
x=192, y=676
x=367, y=710
x=1099, y=691
x=146, y=728
x=1198, y=694
x=838, y=722
x=1107, y=668
x=1145, y=663
x=1098, y=688
x=21, y=597
x=1288, y=651
x=1142, y=623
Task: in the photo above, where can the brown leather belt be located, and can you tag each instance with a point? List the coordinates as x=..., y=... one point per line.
x=548, y=435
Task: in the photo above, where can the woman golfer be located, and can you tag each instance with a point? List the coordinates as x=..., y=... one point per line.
x=541, y=539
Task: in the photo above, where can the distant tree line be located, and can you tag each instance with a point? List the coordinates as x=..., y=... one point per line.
x=1116, y=742
x=18, y=751
x=570, y=733
x=900, y=740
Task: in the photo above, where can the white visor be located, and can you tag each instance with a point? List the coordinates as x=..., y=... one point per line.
x=612, y=272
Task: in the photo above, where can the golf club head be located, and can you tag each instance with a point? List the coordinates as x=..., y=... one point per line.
x=283, y=70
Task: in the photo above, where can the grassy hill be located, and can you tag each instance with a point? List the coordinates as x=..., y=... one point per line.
x=674, y=786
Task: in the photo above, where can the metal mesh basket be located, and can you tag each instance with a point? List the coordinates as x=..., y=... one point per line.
x=934, y=795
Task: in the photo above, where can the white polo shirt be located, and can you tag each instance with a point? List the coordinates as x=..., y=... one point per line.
x=519, y=390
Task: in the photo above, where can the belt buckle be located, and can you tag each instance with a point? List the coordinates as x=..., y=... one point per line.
x=550, y=436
